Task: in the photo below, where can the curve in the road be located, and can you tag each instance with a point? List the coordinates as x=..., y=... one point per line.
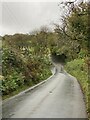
x=59, y=97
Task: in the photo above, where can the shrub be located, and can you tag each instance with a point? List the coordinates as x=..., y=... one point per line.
x=12, y=82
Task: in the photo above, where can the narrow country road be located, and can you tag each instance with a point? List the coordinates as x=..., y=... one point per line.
x=59, y=97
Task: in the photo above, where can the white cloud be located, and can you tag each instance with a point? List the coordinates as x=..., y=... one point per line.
x=26, y=16
x=31, y=0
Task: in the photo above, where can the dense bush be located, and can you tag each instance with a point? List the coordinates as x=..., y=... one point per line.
x=22, y=67
x=12, y=82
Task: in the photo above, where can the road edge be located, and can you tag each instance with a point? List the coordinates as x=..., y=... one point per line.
x=27, y=90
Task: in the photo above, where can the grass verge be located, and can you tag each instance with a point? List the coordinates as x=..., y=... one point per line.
x=79, y=69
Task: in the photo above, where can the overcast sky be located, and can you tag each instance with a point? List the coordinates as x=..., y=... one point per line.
x=26, y=16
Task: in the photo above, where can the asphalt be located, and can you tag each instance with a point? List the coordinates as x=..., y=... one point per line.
x=58, y=97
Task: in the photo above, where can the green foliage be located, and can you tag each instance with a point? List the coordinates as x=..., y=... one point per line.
x=77, y=24
x=79, y=69
x=75, y=29
x=83, y=53
x=25, y=59
x=23, y=63
x=11, y=82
